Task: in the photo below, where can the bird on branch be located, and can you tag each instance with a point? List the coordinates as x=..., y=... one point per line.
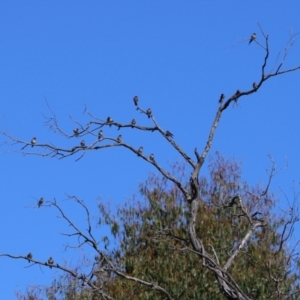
x=140, y=151
x=29, y=256
x=100, y=134
x=76, y=131
x=221, y=98
x=169, y=134
x=252, y=38
x=40, y=202
x=109, y=120
x=50, y=262
x=135, y=100
x=133, y=122
x=149, y=112
x=119, y=139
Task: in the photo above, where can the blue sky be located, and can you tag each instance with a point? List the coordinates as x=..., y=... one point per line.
x=178, y=57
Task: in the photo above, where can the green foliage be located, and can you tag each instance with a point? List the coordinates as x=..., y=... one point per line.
x=153, y=244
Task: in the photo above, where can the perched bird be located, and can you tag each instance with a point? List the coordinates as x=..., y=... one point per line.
x=133, y=122
x=119, y=139
x=109, y=120
x=152, y=157
x=221, y=98
x=82, y=143
x=50, y=262
x=140, y=151
x=76, y=131
x=236, y=95
x=29, y=256
x=252, y=38
x=40, y=202
x=255, y=86
x=135, y=100
x=168, y=133
x=33, y=142
x=149, y=112
x=100, y=134
x=235, y=201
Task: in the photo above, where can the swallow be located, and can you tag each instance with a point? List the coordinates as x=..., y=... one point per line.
x=119, y=139
x=222, y=97
x=109, y=120
x=29, y=256
x=135, y=100
x=255, y=86
x=140, y=151
x=168, y=133
x=82, y=143
x=252, y=38
x=50, y=262
x=33, y=142
x=40, y=202
x=235, y=201
x=76, y=131
x=151, y=157
x=236, y=95
x=149, y=112
x=133, y=122
x=100, y=134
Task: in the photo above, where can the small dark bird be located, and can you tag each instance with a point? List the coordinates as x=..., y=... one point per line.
x=222, y=97
x=252, y=38
x=40, y=202
x=82, y=143
x=133, y=122
x=119, y=139
x=29, y=256
x=152, y=157
x=135, y=100
x=100, y=134
x=76, y=131
x=140, y=151
x=168, y=133
x=235, y=201
x=109, y=120
x=149, y=112
x=50, y=262
x=236, y=95
x=33, y=142
x=255, y=86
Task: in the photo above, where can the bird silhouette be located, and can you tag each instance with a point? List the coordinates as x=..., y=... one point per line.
x=29, y=256
x=33, y=142
x=254, y=85
x=169, y=134
x=119, y=139
x=152, y=157
x=40, y=202
x=221, y=98
x=133, y=122
x=50, y=262
x=76, y=131
x=82, y=143
x=140, y=151
x=252, y=38
x=149, y=112
x=100, y=134
x=135, y=100
x=109, y=120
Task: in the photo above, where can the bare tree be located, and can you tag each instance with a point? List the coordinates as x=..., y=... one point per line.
x=105, y=266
